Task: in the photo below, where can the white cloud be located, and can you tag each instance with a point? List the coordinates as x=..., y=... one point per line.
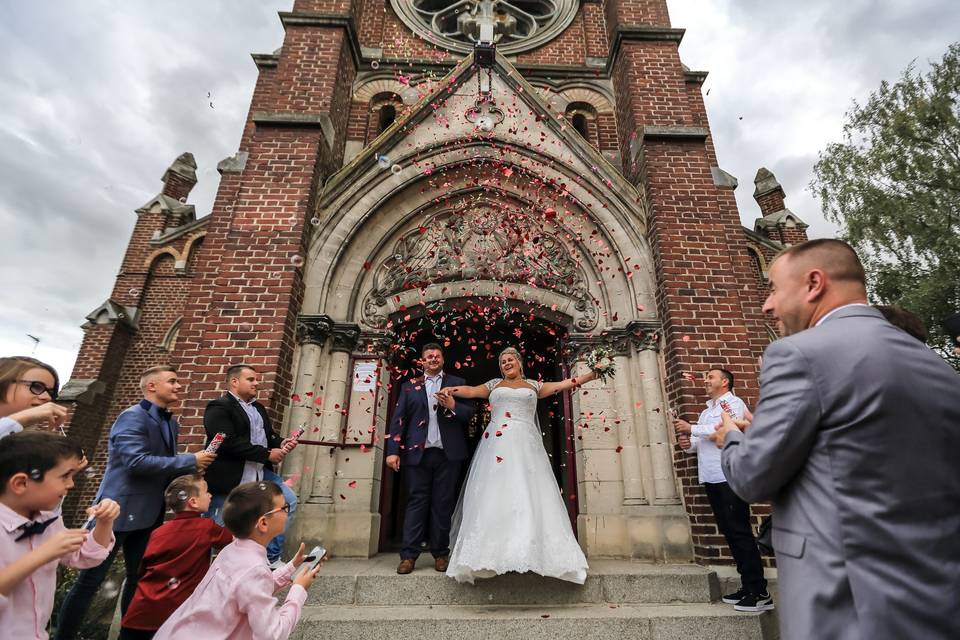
x=99, y=97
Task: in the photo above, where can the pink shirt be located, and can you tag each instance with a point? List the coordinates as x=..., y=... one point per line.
x=25, y=612
x=235, y=600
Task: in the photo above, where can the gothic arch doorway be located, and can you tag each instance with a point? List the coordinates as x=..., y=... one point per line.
x=472, y=332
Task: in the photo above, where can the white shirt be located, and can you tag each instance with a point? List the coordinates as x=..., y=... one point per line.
x=9, y=426
x=708, y=455
x=432, y=385
x=833, y=311
x=253, y=471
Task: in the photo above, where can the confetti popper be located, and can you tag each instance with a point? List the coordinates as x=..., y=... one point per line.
x=215, y=443
x=726, y=407
x=296, y=434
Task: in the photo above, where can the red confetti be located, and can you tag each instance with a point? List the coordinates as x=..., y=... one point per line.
x=499, y=459
x=353, y=484
x=619, y=449
x=295, y=397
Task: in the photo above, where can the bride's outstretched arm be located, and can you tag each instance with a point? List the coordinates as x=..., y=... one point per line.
x=550, y=388
x=465, y=391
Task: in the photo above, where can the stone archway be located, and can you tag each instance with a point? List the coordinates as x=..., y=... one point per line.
x=525, y=215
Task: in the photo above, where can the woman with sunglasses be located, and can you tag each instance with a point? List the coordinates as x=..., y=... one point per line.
x=28, y=388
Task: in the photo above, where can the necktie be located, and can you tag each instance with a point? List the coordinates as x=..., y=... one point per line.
x=33, y=528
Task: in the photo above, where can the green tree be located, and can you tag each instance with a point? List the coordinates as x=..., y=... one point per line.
x=893, y=186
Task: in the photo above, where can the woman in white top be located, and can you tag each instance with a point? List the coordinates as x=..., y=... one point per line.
x=27, y=390
x=511, y=516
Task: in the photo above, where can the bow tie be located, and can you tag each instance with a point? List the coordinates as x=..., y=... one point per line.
x=165, y=414
x=33, y=528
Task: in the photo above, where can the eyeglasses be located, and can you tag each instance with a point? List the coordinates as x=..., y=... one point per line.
x=285, y=508
x=37, y=388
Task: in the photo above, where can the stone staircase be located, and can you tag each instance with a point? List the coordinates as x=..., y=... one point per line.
x=366, y=599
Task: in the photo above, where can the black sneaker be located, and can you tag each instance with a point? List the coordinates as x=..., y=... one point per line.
x=754, y=602
x=734, y=598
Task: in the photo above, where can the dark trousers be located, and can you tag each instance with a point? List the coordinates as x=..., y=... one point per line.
x=75, y=605
x=431, y=493
x=136, y=634
x=733, y=520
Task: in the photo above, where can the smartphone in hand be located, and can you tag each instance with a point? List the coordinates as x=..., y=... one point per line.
x=313, y=558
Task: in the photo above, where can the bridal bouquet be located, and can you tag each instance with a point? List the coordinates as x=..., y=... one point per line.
x=600, y=361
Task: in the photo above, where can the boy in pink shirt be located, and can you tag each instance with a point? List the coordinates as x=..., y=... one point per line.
x=36, y=471
x=235, y=599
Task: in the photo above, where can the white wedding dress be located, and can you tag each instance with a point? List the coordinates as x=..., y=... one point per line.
x=511, y=516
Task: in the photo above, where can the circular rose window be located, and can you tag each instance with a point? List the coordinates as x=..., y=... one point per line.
x=519, y=25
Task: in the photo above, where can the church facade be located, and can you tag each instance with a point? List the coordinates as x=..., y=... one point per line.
x=398, y=184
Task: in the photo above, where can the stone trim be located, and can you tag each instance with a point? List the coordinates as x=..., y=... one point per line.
x=296, y=119
x=314, y=329
x=345, y=337
x=84, y=391
x=675, y=132
x=643, y=335
x=373, y=343
x=311, y=19
x=265, y=59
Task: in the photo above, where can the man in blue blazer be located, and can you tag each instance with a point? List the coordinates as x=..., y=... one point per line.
x=428, y=438
x=141, y=460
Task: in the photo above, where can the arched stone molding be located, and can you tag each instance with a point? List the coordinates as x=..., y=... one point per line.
x=591, y=96
x=334, y=279
x=761, y=262
x=180, y=258
x=170, y=337
x=365, y=89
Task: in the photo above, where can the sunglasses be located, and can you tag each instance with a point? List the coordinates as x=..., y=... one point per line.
x=37, y=388
x=285, y=508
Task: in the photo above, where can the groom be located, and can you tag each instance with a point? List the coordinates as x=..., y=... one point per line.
x=427, y=436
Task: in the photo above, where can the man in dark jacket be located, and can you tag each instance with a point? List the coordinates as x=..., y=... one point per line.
x=429, y=438
x=251, y=451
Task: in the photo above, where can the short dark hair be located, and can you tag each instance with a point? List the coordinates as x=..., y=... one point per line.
x=235, y=370
x=180, y=490
x=906, y=320
x=34, y=453
x=837, y=258
x=430, y=346
x=246, y=503
x=726, y=374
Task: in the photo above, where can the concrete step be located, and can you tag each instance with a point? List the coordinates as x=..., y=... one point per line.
x=375, y=582
x=535, y=622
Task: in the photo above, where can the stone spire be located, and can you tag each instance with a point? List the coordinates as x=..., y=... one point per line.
x=778, y=223
x=180, y=177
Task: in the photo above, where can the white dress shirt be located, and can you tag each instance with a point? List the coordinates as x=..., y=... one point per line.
x=432, y=385
x=708, y=454
x=253, y=471
x=9, y=426
x=833, y=311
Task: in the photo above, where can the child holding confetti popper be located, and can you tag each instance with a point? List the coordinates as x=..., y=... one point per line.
x=235, y=600
x=176, y=559
x=36, y=471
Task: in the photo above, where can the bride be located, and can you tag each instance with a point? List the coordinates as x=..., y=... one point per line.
x=511, y=516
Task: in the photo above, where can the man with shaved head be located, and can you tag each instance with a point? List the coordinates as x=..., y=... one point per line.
x=854, y=441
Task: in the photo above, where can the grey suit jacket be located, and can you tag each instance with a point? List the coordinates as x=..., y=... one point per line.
x=856, y=441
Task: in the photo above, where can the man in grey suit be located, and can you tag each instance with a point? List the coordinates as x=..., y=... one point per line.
x=855, y=442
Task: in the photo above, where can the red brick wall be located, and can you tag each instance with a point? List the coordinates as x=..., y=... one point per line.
x=770, y=202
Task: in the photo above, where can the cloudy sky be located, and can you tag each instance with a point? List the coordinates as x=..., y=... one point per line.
x=98, y=97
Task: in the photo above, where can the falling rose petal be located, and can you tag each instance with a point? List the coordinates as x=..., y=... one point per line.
x=353, y=484
x=499, y=459
x=295, y=397
x=343, y=497
x=619, y=449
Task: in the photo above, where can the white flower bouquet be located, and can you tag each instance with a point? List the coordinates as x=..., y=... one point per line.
x=600, y=361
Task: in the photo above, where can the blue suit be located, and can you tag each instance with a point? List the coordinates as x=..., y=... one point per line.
x=142, y=459
x=141, y=462
x=431, y=475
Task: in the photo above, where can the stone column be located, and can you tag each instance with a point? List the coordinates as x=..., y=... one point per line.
x=664, y=482
x=309, y=376
x=630, y=463
x=334, y=400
